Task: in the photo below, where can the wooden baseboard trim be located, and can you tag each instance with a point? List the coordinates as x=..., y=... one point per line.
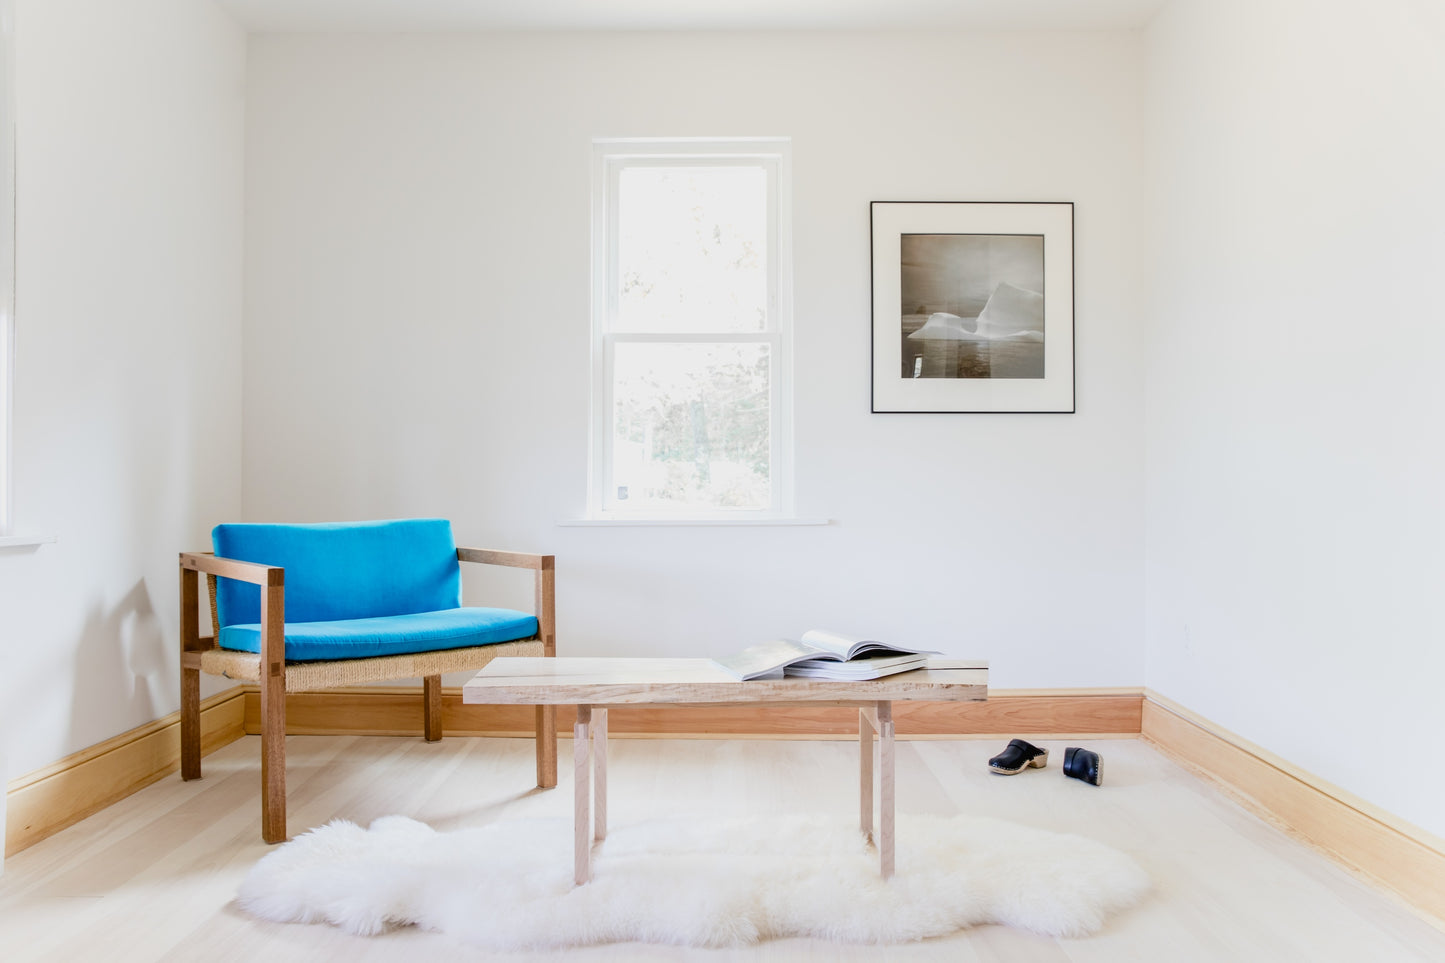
x=1380, y=846
x=397, y=711
x=48, y=800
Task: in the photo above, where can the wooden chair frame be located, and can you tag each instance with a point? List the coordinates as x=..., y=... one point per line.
x=272, y=674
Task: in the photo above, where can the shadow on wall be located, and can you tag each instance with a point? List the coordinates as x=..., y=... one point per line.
x=119, y=661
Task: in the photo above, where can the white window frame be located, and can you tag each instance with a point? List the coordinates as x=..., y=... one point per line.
x=609, y=158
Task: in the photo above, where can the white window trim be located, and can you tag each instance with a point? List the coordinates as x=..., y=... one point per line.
x=7, y=276
x=609, y=156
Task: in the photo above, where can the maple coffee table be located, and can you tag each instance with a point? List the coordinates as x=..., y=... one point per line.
x=594, y=684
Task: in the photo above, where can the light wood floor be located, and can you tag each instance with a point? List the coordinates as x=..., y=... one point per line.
x=152, y=877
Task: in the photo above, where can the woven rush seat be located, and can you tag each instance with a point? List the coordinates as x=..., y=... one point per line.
x=333, y=673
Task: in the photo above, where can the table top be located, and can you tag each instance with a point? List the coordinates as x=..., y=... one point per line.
x=601, y=681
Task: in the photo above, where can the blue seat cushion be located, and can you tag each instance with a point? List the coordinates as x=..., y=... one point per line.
x=389, y=635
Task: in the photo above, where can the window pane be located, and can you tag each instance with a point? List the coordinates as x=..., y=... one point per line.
x=692, y=249
x=691, y=427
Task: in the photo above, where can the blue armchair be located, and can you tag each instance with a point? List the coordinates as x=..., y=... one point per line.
x=303, y=607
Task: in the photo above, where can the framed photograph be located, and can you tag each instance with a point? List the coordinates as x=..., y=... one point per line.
x=973, y=306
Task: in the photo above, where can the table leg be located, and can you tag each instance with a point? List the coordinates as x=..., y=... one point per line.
x=599, y=773
x=582, y=777
x=865, y=773
x=885, y=788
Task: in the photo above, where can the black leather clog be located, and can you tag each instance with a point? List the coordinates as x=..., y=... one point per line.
x=1083, y=764
x=1017, y=757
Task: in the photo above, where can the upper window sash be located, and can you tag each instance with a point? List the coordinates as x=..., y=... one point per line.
x=613, y=166
x=612, y=156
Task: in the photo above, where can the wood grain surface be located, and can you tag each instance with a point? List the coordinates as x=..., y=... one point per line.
x=604, y=681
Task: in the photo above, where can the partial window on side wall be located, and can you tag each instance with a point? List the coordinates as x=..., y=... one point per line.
x=691, y=395
x=7, y=258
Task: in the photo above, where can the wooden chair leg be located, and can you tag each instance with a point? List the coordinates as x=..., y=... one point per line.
x=273, y=761
x=190, y=722
x=273, y=715
x=546, y=747
x=431, y=688
x=190, y=678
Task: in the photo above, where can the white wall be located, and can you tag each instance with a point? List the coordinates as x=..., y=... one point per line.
x=417, y=327
x=1296, y=397
x=128, y=381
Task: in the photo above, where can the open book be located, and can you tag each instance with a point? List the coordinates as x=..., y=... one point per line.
x=824, y=655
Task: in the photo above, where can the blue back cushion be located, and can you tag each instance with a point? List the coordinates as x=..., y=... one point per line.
x=345, y=570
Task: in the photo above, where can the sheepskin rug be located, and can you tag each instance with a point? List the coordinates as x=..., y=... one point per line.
x=508, y=886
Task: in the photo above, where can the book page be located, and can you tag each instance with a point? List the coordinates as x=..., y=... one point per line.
x=758, y=660
x=836, y=642
x=872, y=661
x=850, y=647
x=872, y=667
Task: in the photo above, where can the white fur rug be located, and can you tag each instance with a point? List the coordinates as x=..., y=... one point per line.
x=713, y=883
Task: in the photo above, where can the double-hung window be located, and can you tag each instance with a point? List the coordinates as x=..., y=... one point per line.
x=691, y=301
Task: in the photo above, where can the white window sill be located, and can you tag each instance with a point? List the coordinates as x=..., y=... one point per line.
x=23, y=541
x=624, y=521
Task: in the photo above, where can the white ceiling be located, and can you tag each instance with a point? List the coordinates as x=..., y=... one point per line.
x=449, y=15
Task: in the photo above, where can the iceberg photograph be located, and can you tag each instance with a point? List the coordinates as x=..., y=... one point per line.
x=972, y=305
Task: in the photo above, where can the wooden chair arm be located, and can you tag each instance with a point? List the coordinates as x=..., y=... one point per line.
x=514, y=559
x=546, y=568
x=231, y=568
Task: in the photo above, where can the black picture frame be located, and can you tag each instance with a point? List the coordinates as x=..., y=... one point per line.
x=972, y=306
